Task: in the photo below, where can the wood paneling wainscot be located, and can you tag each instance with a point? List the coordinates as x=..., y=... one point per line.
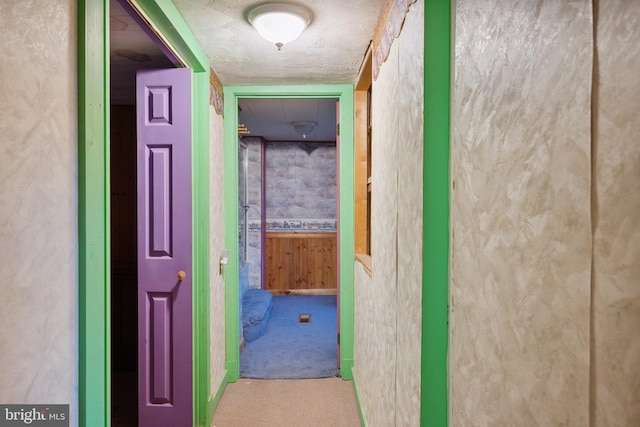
x=301, y=262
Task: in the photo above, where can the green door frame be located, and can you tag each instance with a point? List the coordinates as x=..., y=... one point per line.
x=346, y=215
x=94, y=359
x=436, y=185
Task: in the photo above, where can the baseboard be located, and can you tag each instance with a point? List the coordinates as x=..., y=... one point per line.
x=214, y=400
x=346, y=369
x=363, y=420
x=232, y=368
x=280, y=292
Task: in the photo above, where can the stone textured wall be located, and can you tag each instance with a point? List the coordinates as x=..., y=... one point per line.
x=217, y=245
x=300, y=191
x=545, y=302
x=616, y=200
x=300, y=181
x=388, y=303
x=255, y=203
x=39, y=208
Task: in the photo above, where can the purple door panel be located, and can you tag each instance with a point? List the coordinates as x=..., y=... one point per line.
x=163, y=99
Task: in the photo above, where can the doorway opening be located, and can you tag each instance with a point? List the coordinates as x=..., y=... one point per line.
x=288, y=216
x=94, y=287
x=131, y=50
x=237, y=100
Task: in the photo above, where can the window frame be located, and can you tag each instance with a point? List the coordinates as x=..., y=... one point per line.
x=362, y=162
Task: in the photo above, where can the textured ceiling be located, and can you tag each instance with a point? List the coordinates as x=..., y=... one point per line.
x=329, y=51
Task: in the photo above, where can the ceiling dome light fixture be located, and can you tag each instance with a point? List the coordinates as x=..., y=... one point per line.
x=280, y=23
x=304, y=127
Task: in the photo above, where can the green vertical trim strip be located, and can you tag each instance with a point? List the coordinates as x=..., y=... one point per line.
x=201, y=337
x=347, y=233
x=232, y=303
x=93, y=198
x=435, y=258
x=93, y=216
x=231, y=270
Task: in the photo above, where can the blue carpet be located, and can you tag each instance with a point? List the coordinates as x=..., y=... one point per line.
x=290, y=349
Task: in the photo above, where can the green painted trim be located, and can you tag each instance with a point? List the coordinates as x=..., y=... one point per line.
x=346, y=229
x=164, y=17
x=346, y=363
x=435, y=258
x=231, y=270
x=94, y=348
x=213, y=403
x=363, y=419
x=93, y=198
x=346, y=224
x=201, y=230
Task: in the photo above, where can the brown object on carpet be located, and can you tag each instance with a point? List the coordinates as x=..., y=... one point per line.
x=265, y=403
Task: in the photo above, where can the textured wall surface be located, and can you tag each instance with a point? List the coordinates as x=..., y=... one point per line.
x=388, y=304
x=409, y=193
x=364, y=368
x=521, y=248
x=216, y=241
x=38, y=212
x=375, y=333
x=300, y=191
x=617, y=216
x=255, y=203
x=300, y=181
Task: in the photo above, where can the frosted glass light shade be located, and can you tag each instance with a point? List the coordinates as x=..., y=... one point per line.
x=279, y=23
x=304, y=127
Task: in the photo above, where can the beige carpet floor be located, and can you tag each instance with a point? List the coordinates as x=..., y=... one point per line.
x=287, y=403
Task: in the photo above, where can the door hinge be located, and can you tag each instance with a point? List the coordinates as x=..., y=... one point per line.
x=338, y=338
x=338, y=129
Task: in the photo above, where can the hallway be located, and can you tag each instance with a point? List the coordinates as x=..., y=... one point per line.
x=494, y=273
x=265, y=403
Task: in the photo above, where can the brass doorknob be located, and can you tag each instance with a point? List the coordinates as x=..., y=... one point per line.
x=181, y=275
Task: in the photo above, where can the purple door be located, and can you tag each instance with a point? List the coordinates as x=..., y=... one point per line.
x=163, y=99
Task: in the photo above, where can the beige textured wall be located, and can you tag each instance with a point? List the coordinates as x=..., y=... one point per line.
x=38, y=212
x=388, y=308
x=375, y=355
x=410, y=140
x=521, y=246
x=216, y=241
x=617, y=216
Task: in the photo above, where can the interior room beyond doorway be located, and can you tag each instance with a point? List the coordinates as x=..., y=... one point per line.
x=288, y=216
